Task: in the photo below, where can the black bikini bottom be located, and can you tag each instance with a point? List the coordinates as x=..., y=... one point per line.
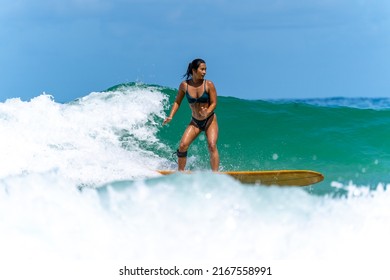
x=202, y=124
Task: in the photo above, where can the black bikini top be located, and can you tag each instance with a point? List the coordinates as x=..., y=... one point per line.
x=204, y=98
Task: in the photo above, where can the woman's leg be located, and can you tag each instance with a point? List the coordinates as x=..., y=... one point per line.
x=212, y=137
x=188, y=137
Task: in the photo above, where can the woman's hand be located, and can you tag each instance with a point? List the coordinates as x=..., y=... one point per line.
x=167, y=120
x=203, y=112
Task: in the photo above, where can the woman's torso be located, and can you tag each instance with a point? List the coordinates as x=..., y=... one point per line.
x=198, y=98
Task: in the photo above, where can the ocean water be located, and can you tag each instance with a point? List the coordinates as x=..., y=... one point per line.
x=78, y=180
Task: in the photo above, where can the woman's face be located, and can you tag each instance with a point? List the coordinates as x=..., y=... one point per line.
x=200, y=73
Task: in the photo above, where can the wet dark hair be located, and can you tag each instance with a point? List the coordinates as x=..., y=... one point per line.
x=194, y=65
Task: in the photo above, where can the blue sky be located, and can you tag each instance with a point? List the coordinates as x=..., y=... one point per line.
x=254, y=49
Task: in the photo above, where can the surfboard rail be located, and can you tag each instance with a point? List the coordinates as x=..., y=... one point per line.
x=269, y=177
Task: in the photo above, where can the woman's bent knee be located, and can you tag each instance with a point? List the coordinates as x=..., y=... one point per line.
x=212, y=147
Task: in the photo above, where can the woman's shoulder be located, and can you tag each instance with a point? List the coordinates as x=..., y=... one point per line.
x=183, y=85
x=209, y=83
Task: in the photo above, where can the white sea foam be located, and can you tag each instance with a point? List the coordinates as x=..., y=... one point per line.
x=81, y=139
x=192, y=217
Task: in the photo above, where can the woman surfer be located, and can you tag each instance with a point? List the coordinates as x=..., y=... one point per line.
x=202, y=98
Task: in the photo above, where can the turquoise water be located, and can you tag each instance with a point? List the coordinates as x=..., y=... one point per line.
x=78, y=180
x=345, y=139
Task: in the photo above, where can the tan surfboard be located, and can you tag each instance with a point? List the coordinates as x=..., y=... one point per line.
x=270, y=178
